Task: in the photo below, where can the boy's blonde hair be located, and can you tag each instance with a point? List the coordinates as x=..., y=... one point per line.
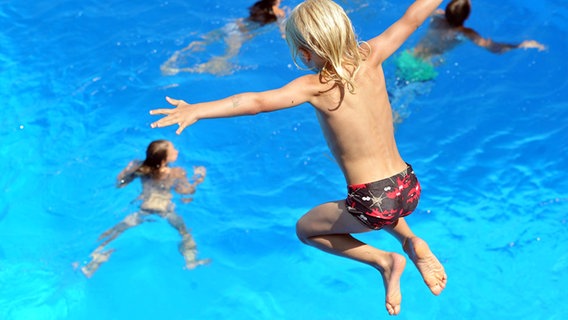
x=323, y=27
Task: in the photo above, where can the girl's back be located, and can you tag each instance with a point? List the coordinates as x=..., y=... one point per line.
x=440, y=37
x=157, y=192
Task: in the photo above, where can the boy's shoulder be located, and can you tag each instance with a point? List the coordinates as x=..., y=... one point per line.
x=308, y=85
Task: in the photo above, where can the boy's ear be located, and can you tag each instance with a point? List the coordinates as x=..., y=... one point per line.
x=305, y=54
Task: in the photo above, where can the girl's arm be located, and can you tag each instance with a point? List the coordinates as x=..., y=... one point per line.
x=184, y=114
x=497, y=47
x=391, y=39
x=127, y=174
x=183, y=184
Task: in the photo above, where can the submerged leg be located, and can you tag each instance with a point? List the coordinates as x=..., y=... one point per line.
x=128, y=222
x=328, y=227
x=177, y=222
x=188, y=250
x=98, y=258
x=174, y=64
x=419, y=252
x=187, y=246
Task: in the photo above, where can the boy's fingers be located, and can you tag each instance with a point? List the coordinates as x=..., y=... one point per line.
x=164, y=122
x=172, y=101
x=161, y=111
x=181, y=128
x=171, y=116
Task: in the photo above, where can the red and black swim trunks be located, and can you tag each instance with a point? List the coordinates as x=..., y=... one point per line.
x=382, y=203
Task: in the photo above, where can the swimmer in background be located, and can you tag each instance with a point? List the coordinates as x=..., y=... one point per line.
x=234, y=34
x=158, y=180
x=446, y=31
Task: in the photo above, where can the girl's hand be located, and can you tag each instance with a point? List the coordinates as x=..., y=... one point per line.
x=199, y=174
x=186, y=200
x=182, y=115
x=532, y=44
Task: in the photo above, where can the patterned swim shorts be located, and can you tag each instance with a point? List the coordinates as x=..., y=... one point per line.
x=382, y=203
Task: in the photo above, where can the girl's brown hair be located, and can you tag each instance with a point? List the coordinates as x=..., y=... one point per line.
x=262, y=13
x=457, y=11
x=156, y=155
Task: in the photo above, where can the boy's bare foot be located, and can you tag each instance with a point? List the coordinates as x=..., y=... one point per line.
x=430, y=268
x=391, y=280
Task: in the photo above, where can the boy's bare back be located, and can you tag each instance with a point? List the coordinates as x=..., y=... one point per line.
x=358, y=126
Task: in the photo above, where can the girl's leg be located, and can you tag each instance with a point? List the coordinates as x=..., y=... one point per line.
x=187, y=246
x=98, y=256
x=328, y=227
x=419, y=252
x=172, y=66
x=128, y=222
x=188, y=249
x=177, y=222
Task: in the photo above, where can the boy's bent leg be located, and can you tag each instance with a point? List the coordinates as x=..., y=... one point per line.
x=328, y=227
x=419, y=252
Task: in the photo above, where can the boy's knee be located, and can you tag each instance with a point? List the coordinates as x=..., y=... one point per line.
x=300, y=232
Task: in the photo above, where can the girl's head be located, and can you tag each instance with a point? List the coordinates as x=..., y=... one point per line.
x=262, y=13
x=322, y=28
x=457, y=11
x=158, y=154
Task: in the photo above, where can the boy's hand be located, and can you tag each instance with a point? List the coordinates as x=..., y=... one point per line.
x=182, y=115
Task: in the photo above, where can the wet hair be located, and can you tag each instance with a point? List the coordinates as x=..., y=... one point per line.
x=156, y=154
x=457, y=11
x=261, y=12
x=323, y=27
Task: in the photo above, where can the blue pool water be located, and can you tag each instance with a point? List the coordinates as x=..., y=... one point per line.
x=488, y=139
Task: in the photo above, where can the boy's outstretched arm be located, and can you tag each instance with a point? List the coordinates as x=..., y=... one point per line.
x=248, y=103
x=391, y=39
